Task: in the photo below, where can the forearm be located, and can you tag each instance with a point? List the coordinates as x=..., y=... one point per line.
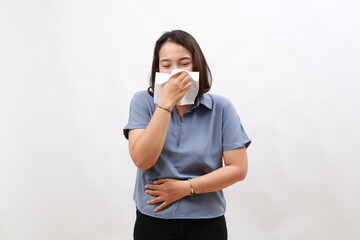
x=169, y=190
x=146, y=144
x=218, y=179
x=145, y=148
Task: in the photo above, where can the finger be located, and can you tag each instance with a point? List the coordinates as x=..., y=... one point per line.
x=185, y=80
x=155, y=201
x=160, y=181
x=184, y=89
x=161, y=207
x=187, y=86
x=152, y=187
x=176, y=76
x=152, y=192
x=182, y=76
x=149, y=186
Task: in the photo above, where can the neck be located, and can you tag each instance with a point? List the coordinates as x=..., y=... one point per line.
x=182, y=109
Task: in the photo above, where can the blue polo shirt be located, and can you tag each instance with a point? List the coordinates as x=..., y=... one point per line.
x=193, y=147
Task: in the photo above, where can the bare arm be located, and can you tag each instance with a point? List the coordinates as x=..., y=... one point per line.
x=145, y=145
x=169, y=190
x=235, y=170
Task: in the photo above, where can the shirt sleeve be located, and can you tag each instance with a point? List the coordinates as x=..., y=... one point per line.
x=234, y=135
x=140, y=112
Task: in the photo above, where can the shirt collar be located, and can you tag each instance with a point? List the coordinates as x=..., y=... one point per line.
x=205, y=100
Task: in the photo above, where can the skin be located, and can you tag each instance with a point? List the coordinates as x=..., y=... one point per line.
x=145, y=145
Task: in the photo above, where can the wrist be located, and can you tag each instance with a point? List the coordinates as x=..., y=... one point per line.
x=163, y=108
x=166, y=105
x=191, y=188
x=185, y=190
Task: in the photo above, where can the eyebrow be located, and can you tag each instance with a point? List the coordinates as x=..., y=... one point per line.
x=168, y=60
x=185, y=58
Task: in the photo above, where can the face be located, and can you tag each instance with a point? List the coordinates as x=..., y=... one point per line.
x=174, y=56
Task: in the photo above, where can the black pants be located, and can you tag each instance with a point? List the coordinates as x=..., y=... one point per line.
x=150, y=228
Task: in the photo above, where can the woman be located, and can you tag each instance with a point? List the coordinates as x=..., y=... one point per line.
x=185, y=154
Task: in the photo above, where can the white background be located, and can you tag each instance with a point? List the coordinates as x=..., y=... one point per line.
x=68, y=70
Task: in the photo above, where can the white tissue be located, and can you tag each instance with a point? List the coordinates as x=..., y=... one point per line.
x=190, y=95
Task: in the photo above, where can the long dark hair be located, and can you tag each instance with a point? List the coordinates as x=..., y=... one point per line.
x=199, y=63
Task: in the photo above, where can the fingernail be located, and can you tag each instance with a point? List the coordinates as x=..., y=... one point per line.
x=155, y=182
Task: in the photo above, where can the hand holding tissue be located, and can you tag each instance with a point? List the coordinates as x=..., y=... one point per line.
x=189, y=98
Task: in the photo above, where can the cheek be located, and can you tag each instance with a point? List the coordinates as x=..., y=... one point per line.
x=164, y=70
x=190, y=68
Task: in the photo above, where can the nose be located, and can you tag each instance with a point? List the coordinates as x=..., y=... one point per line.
x=174, y=66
